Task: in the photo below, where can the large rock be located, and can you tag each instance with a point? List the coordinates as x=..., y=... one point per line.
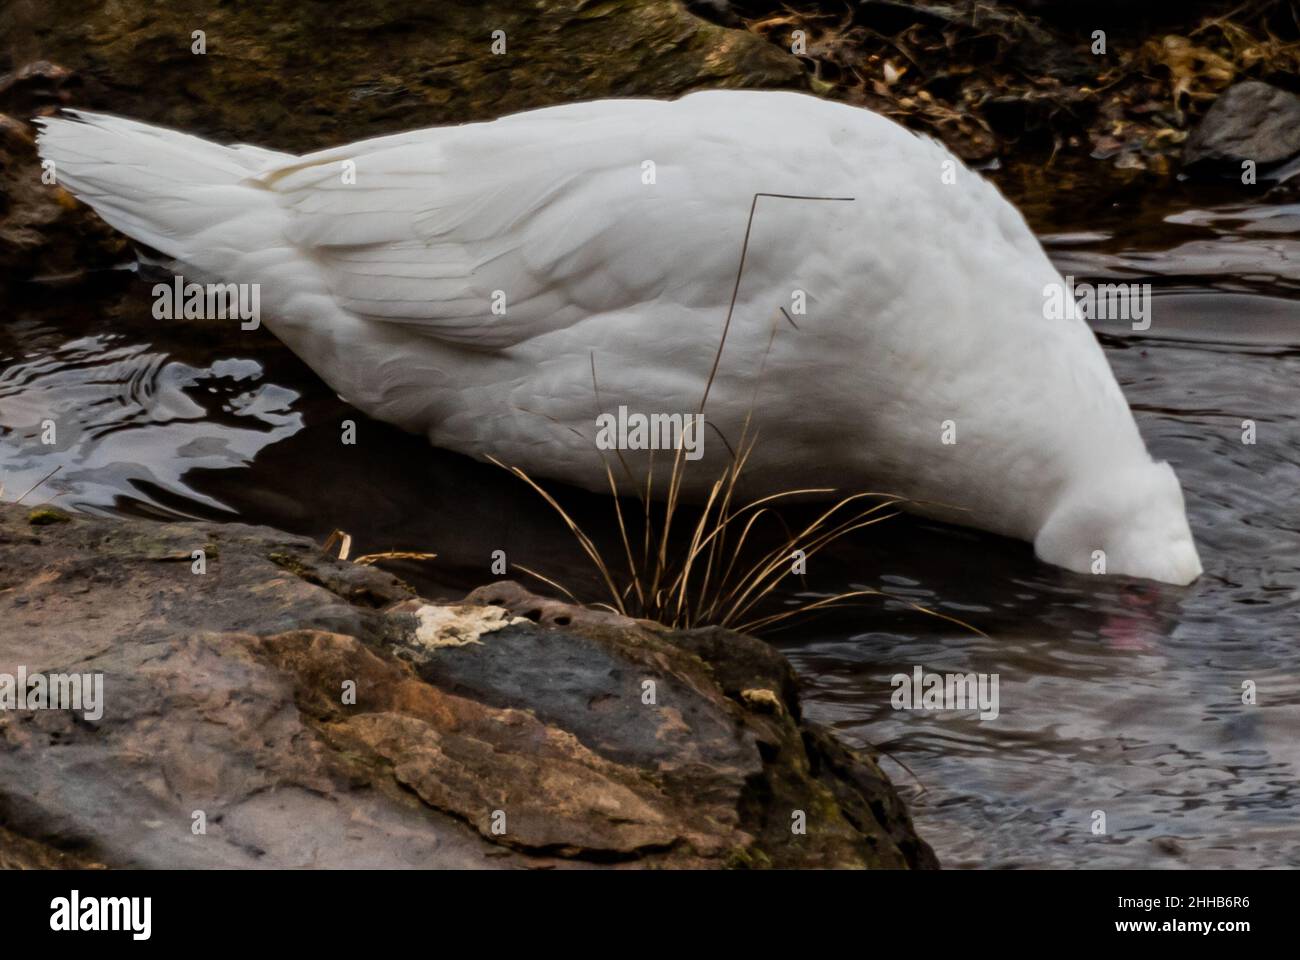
x=1250, y=121
x=503, y=730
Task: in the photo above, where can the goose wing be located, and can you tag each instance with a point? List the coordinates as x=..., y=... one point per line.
x=486, y=235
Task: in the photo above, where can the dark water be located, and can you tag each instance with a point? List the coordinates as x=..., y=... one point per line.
x=1115, y=696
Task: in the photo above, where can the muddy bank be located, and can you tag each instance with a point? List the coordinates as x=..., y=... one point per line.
x=265, y=705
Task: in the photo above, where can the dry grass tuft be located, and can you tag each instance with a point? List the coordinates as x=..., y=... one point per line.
x=708, y=583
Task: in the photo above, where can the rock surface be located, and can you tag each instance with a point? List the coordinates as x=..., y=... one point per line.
x=506, y=730
x=1250, y=121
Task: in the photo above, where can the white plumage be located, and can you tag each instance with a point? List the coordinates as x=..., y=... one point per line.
x=611, y=232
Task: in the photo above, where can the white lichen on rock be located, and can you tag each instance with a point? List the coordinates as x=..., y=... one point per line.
x=456, y=625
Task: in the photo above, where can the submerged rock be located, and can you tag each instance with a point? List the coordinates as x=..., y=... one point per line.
x=265, y=705
x=1250, y=121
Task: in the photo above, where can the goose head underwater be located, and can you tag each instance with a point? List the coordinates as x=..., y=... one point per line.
x=1134, y=523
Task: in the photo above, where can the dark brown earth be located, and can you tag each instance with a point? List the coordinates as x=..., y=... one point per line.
x=504, y=731
x=1036, y=81
x=303, y=74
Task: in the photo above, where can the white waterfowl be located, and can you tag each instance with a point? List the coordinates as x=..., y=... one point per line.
x=499, y=286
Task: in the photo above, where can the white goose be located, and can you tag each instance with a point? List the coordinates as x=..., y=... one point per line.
x=610, y=233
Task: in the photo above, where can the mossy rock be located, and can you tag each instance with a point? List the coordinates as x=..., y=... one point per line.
x=44, y=516
x=304, y=74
